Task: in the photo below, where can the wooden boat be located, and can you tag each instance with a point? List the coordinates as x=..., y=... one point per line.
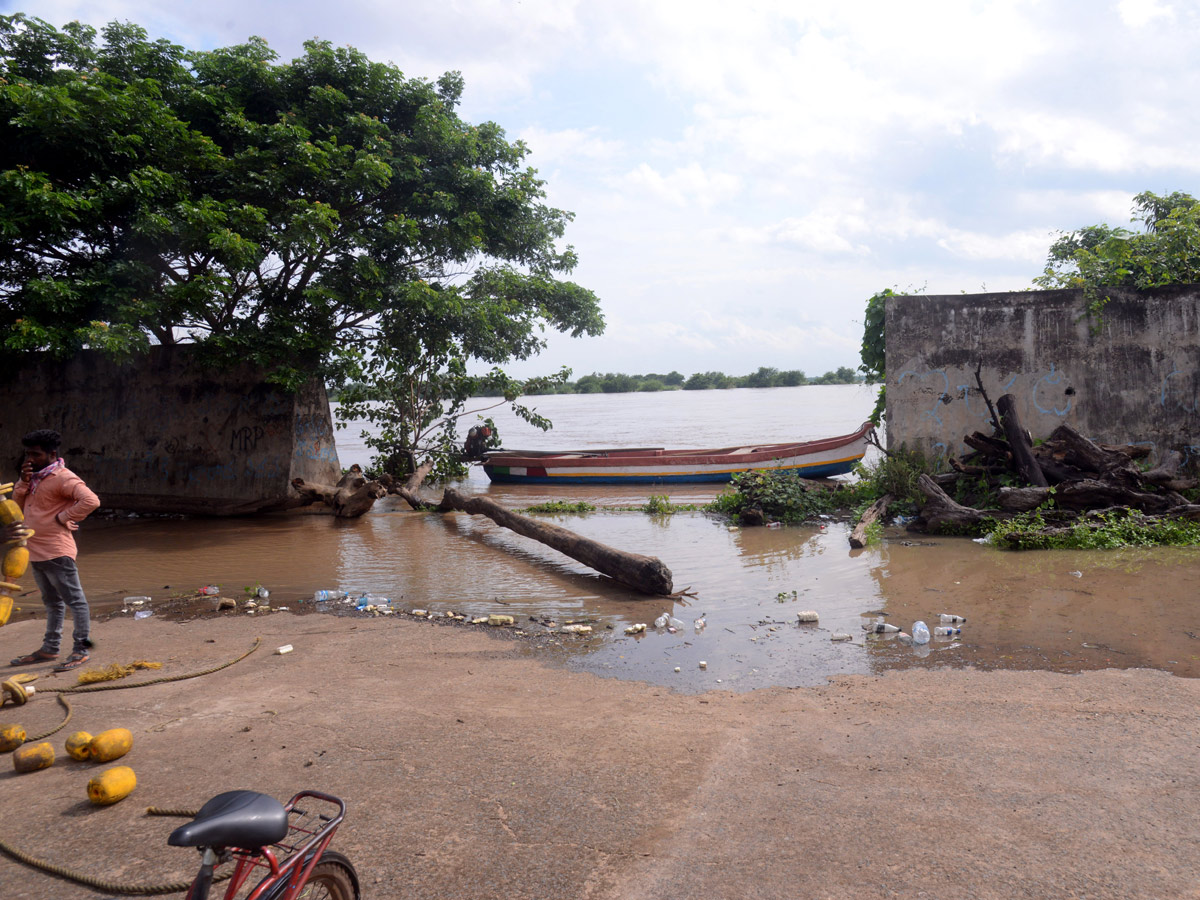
x=810, y=459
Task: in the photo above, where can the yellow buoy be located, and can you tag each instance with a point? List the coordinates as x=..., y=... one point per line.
x=110, y=745
x=111, y=785
x=32, y=757
x=79, y=746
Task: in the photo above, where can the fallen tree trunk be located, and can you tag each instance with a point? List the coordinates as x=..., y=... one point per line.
x=858, y=537
x=1018, y=441
x=941, y=513
x=352, y=496
x=1022, y=499
x=644, y=573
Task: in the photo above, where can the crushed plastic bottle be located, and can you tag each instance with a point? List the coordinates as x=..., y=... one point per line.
x=209, y=590
x=661, y=621
x=947, y=619
x=946, y=631
x=143, y=614
x=920, y=632
x=700, y=623
x=262, y=592
x=322, y=596
x=675, y=623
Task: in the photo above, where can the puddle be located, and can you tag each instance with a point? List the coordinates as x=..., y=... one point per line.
x=1059, y=610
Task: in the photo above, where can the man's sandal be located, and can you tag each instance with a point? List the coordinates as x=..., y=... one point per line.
x=74, y=661
x=30, y=659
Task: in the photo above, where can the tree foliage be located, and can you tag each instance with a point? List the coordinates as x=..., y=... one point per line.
x=1166, y=250
x=327, y=215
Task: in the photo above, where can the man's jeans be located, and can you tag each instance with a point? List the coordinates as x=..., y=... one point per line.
x=58, y=580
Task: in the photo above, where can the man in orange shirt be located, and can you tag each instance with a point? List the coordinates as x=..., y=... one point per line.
x=54, y=500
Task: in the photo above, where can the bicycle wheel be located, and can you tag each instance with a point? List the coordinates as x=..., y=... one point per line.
x=333, y=878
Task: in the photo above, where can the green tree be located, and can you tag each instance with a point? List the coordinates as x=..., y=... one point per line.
x=1166, y=251
x=874, y=350
x=325, y=216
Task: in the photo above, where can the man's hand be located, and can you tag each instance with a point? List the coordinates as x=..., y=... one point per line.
x=66, y=523
x=14, y=532
x=27, y=471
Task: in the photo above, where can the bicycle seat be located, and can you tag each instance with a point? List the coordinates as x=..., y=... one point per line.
x=245, y=819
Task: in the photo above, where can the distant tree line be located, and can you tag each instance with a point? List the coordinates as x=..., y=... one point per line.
x=617, y=383
x=765, y=377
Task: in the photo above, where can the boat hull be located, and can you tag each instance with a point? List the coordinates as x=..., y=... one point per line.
x=811, y=459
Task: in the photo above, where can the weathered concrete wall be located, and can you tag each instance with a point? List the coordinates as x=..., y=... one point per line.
x=1135, y=379
x=163, y=434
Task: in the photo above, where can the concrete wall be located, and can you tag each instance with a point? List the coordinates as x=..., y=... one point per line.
x=163, y=434
x=1135, y=379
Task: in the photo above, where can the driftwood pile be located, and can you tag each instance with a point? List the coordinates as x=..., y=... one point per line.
x=1087, y=480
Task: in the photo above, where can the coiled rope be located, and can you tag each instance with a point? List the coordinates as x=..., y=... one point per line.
x=143, y=890
x=109, y=887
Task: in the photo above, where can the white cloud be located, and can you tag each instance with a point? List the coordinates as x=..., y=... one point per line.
x=686, y=186
x=1139, y=13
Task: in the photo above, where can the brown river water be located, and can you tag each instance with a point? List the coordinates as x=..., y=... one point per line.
x=1061, y=610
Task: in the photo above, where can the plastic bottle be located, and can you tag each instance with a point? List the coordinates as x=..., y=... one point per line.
x=946, y=631
x=700, y=623
x=209, y=590
x=947, y=619
x=661, y=621
x=920, y=632
x=322, y=596
x=675, y=623
x=882, y=628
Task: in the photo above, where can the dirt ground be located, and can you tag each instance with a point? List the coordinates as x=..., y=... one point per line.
x=473, y=768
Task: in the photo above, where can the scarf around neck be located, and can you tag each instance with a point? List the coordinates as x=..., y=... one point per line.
x=37, y=476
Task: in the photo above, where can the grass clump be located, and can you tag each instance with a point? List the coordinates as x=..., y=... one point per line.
x=570, y=507
x=1101, y=531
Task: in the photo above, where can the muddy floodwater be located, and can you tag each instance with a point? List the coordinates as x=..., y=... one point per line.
x=1063, y=610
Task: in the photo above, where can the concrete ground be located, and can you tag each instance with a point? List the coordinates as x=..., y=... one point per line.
x=474, y=769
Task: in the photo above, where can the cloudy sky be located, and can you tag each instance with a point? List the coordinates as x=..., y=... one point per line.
x=745, y=174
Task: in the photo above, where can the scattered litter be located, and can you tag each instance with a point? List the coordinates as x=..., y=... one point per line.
x=661, y=621
x=945, y=631
x=422, y=613
x=143, y=614
x=499, y=620
x=262, y=592
x=986, y=539
x=281, y=609
x=700, y=623
x=639, y=628
x=920, y=632
x=223, y=603
x=135, y=602
x=1077, y=574
x=703, y=664
x=947, y=619
x=808, y=616
x=841, y=636
x=677, y=669
x=576, y=629
x=209, y=590
x=774, y=524
x=286, y=648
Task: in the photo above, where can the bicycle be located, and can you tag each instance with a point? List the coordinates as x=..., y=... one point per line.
x=260, y=832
